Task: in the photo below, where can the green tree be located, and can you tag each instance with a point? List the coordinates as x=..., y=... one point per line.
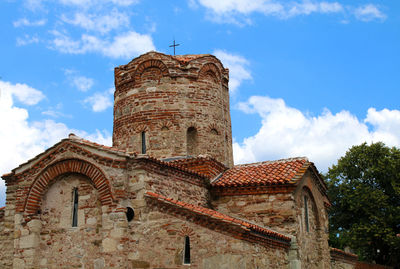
x=364, y=188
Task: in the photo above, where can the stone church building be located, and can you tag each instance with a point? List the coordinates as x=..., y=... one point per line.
x=166, y=194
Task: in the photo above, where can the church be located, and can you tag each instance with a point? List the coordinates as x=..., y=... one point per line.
x=166, y=194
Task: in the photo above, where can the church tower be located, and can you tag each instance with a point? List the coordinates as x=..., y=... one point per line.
x=173, y=106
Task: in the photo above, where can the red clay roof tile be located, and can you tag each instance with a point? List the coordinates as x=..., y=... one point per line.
x=219, y=216
x=286, y=171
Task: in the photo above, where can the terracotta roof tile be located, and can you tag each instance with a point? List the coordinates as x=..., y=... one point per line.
x=286, y=171
x=187, y=58
x=199, y=210
x=343, y=252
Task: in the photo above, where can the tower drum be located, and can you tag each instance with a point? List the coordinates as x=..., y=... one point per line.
x=169, y=106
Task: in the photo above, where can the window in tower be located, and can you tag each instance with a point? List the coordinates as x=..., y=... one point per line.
x=143, y=135
x=191, y=141
x=75, y=199
x=186, y=257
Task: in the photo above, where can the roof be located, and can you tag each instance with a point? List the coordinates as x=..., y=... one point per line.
x=203, y=164
x=188, y=57
x=338, y=254
x=121, y=154
x=280, y=172
x=249, y=230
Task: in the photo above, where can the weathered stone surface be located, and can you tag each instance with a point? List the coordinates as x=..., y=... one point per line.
x=140, y=264
x=29, y=241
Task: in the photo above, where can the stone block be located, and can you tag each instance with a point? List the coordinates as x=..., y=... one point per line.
x=109, y=245
x=140, y=264
x=99, y=263
x=29, y=241
x=35, y=226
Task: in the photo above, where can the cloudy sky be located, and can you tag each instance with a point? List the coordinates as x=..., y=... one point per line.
x=307, y=78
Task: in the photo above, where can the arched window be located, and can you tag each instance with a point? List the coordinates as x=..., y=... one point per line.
x=143, y=136
x=191, y=141
x=75, y=200
x=130, y=213
x=306, y=220
x=186, y=257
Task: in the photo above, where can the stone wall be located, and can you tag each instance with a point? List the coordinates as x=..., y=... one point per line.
x=180, y=103
x=157, y=241
x=7, y=228
x=285, y=213
x=170, y=182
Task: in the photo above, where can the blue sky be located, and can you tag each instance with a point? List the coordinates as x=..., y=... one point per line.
x=307, y=78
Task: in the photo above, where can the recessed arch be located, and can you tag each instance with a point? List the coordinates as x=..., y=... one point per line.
x=315, y=212
x=150, y=64
x=208, y=70
x=41, y=183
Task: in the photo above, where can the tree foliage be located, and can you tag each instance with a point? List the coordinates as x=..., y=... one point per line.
x=364, y=188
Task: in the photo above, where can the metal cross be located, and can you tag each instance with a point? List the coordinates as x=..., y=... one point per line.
x=174, y=45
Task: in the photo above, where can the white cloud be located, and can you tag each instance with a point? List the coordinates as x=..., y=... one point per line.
x=308, y=7
x=22, y=139
x=368, y=13
x=127, y=45
x=26, y=22
x=24, y=93
x=89, y=3
x=99, y=23
x=238, y=68
x=100, y=101
x=26, y=40
x=83, y=83
x=288, y=132
x=238, y=11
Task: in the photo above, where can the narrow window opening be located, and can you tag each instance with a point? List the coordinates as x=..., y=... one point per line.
x=306, y=213
x=186, y=258
x=191, y=141
x=75, y=208
x=143, y=142
x=130, y=214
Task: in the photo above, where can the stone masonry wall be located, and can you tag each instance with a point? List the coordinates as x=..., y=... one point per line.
x=7, y=228
x=284, y=212
x=148, y=176
x=58, y=239
x=165, y=96
x=157, y=241
x=314, y=248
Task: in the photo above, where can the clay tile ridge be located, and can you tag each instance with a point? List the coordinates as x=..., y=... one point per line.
x=284, y=171
x=184, y=59
x=170, y=164
x=80, y=140
x=344, y=252
x=218, y=216
x=2, y=208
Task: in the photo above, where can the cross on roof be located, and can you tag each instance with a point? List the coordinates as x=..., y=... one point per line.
x=174, y=45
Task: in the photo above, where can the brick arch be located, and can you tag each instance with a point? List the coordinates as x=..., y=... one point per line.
x=148, y=64
x=41, y=183
x=210, y=68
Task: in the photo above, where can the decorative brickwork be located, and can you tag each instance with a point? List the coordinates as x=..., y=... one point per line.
x=165, y=96
x=63, y=167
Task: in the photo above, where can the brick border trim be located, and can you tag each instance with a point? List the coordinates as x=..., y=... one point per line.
x=210, y=67
x=41, y=183
x=147, y=64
